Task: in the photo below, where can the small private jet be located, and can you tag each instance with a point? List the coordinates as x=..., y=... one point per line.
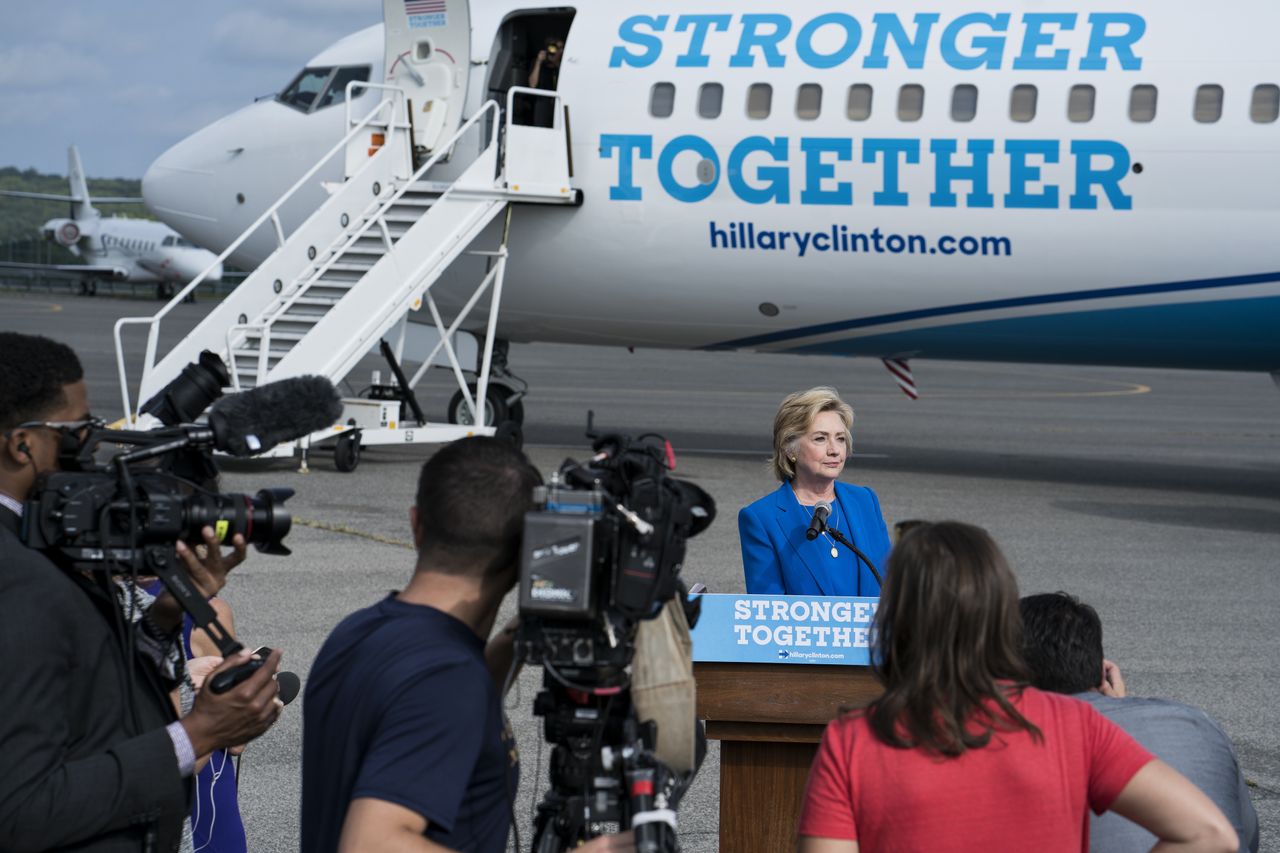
x=1086, y=183
x=117, y=247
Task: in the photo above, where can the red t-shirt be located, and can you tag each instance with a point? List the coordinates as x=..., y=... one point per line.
x=1014, y=794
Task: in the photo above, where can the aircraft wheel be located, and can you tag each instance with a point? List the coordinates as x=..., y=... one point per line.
x=88, y=287
x=346, y=454
x=495, y=407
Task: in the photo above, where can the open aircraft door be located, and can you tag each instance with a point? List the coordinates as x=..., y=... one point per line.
x=428, y=55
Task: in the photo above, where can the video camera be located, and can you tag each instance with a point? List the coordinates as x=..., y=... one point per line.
x=602, y=552
x=123, y=498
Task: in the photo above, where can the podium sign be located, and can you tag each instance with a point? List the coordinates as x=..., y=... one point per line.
x=796, y=629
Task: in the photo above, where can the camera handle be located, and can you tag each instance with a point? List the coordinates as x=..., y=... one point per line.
x=162, y=560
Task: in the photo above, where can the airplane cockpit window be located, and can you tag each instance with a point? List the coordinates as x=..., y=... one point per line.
x=1208, y=107
x=167, y=241
x=1265, y=106
x=301, y=93
x=336, y=91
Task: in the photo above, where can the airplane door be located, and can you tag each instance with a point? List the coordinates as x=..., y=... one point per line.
x=428, y=54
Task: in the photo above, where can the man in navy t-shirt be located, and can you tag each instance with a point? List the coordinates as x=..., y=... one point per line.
x=404, y=744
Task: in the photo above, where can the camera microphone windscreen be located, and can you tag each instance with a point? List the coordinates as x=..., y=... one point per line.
x=289, y=685
x=821, y=510
x=275, y=413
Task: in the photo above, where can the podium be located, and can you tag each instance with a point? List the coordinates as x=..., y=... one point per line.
x=769, y=719
x=771, y=672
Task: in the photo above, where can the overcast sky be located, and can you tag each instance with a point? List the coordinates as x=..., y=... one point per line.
x=125, y=79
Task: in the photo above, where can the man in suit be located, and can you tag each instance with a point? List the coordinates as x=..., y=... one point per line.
x=95, y=756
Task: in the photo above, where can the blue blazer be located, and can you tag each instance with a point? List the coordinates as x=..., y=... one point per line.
x=776, y=557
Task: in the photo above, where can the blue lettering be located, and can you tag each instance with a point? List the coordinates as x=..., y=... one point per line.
x=1036, y=38
x=894, y=150
x=912, y=50
x=1022, y=173
x=976, y=173
x=628, y=146
x=695, y=56
x=804, y=40
x=666, y=168
x=778, y=178
x=1121, y=43
x=767, y=42
x=991, y=47
x=1108, y=178
x=816, y=171
x=652, y=45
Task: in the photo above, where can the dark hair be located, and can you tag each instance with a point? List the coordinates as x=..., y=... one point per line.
x=1062, y=642
x=947, y=642
x=472, y=497
x=33, y=373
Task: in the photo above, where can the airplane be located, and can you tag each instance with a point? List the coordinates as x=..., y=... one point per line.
x=1089, y=183
x=118, y=248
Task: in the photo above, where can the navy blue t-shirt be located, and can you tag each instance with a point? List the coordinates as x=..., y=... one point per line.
x=400, y=707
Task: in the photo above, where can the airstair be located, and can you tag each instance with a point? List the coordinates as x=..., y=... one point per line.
x=346, y=279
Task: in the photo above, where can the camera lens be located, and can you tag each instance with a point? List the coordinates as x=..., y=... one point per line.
x=262, y=519
x=182, y=400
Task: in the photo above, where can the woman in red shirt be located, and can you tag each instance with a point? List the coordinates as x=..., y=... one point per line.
x=959, y=753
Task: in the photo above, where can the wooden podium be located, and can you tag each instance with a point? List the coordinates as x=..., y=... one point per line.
x=769, y=719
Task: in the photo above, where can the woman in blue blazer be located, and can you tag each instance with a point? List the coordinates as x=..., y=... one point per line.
x=811, y=438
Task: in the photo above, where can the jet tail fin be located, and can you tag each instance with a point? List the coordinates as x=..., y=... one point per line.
x=82, y=206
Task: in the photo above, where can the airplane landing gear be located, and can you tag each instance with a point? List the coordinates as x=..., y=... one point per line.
x=504, y=398
x=88, y=287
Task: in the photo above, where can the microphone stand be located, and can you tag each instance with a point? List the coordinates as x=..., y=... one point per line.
x=843, y=540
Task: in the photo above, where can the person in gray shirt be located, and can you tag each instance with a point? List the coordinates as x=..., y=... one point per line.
x=1062, y=643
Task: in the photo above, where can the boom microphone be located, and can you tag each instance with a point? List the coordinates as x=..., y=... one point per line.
x=821, y=510
x=278, y=412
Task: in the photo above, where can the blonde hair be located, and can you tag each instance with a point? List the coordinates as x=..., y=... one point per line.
x=795, y=417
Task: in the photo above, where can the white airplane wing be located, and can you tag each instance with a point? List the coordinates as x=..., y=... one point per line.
x=91, y=270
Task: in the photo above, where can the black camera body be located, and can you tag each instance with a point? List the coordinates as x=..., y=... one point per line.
x=602, y=552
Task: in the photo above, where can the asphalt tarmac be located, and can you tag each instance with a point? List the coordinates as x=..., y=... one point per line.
x=1152, y=494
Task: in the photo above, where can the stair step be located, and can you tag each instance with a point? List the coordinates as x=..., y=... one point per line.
x=276, y=335
x=314, y=301
x=307, y=320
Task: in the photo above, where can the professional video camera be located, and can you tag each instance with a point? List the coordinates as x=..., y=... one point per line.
x=126, y=513
x=602, y=553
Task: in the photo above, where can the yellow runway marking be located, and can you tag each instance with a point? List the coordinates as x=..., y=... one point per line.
x=33, y=307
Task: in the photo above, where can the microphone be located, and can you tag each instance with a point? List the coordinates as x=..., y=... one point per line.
x=289, y=685
x=818, y=523
x=278, y=412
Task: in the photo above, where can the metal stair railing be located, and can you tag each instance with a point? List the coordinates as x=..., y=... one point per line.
x=378, y=218
x=272, y=214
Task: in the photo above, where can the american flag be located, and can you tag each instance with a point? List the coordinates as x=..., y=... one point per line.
x=901, y=371
x=424, y=7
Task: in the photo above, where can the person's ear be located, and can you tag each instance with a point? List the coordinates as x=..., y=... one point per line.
x=413, y=525
x=15, y=447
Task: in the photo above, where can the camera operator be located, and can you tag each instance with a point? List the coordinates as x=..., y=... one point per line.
x=405, y=746
x=94, y=757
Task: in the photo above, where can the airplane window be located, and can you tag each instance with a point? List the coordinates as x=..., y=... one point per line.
x=964, y=102
x=809, y=101
x=184, y=242
x=1208, y=104
x=911, y=102
x=662, y=100
x=858, y=107
x=167, y=241
x=759, y=100
x=1265, y=107
x=710, y=100
x=336, y=92
x=301, y=93
x=1080, y=103
x=1142, y=102
x=1022, y=103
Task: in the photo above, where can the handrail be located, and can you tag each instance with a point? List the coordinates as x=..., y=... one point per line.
x=271, y=213
x=538, y=93
x=377, y=215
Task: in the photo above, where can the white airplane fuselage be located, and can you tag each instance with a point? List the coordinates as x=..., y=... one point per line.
x=1035, y=230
